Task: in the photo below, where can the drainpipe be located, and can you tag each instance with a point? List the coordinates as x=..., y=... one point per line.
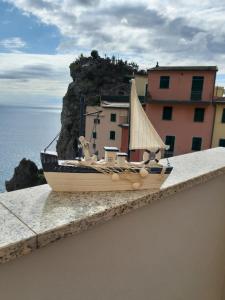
x=214, y=86
x=214, y=113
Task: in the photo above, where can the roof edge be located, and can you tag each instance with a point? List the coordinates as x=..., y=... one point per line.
x=184, y=68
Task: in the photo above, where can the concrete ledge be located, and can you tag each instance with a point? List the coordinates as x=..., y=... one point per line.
x=35, y=217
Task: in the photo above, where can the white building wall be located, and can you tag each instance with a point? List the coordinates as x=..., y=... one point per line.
x=103, y=129
x=141, y=82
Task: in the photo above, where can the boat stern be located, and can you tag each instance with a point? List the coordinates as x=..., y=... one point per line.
x=49, y=160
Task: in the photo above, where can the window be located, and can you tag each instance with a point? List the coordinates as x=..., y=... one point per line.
x=196, y=143
x=199, y=114
x=170, y=141
x=223, y=116
x=113, y=117
x=146, y=89
x=167, y=113
x=112, y=135
x=164, y=82
x=222, y=143
x=96, y=121
x=94, y=135
x=197, y=87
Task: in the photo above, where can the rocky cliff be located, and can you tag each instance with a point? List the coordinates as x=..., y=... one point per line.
x=26, y=174
x=92, y=76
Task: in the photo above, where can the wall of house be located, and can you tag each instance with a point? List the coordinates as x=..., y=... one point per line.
x=171, y=249
x=182, y=125
x=103, y=129
x=141, y=81
x=219, y=127
x=135, y=155
x=219, y=91
x=180, y=85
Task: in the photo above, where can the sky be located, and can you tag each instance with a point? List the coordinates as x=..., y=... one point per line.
x=40, y=38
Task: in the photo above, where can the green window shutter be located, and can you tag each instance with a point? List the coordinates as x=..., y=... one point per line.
x=199, y=114
x=164, y=82
x=169, y=141
x=113, y=117
x=196, y=143
x=222, y=143
x=223, y=116
x=197, y=87
x=167, y=113
x=112, y=135
x=146, y=89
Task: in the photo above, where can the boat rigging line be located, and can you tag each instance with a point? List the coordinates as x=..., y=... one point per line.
x=52, y=141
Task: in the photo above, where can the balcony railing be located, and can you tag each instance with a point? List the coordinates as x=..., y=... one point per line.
x=196, y=95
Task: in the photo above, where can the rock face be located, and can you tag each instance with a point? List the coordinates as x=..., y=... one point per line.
x=93, y=77
x=25, y=175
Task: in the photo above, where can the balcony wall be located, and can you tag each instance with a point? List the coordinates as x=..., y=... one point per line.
x=164, y=245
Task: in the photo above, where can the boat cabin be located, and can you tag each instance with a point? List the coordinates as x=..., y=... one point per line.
x=121, y=158
x=110, y=154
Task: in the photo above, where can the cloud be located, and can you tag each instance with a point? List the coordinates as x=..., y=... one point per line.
x=170, y=31
x=83, y=2
x=30, y=77
x=145, y=31
x=13, y=44
x=29, y=72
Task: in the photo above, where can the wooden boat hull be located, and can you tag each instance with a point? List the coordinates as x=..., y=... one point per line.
x=69, y=178
x=83, y=182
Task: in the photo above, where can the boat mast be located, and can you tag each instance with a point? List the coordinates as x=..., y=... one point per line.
x=81, y=125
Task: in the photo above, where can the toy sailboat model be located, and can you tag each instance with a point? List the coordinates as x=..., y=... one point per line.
x=114, y=172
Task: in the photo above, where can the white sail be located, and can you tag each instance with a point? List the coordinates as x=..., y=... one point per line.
x=142, y=133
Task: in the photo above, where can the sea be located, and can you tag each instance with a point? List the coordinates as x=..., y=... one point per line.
x=24, y=132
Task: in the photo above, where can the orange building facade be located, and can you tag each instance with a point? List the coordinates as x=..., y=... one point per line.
x=180, y=107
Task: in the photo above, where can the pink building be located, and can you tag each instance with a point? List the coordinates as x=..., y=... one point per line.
x=181, y=107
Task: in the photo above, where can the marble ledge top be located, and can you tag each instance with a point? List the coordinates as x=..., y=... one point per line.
x=34, y=217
